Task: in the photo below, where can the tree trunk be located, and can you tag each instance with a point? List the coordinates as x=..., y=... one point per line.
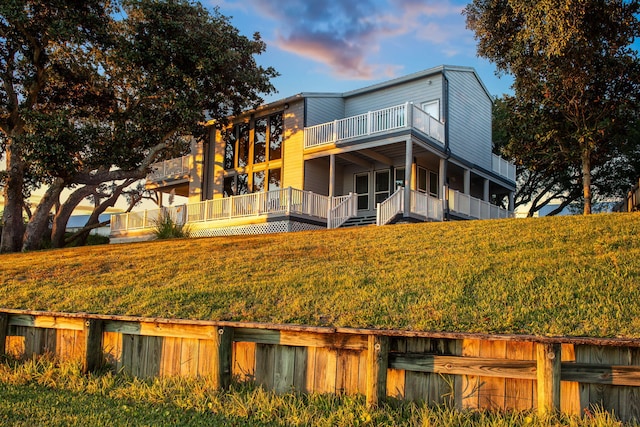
x=13, y=228
x=62, y=216
x=586, y=180
x=39, y=223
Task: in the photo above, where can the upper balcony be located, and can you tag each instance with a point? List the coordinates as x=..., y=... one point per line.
x=172, y=174
x=403, y=116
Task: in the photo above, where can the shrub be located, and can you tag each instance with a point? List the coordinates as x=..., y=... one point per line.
x=165, y=227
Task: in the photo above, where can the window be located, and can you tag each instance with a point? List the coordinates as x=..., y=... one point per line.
x=275, y=136
x=382, y=186
x=260, y=141
x=422, y=180
x=244, y=149
x=362, y=190
x=399, y=180
x=243, y=145
x=432, y=108
x=433, y=184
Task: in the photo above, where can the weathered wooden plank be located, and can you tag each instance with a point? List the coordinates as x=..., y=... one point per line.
x=377, y=364
x=265, y=361
x=224, y=357
x=189, y=351
x=207, y=358
x=154, y=355
x=300, y=370
x=470, y=383
x=301, y=339
x=569, y=390
x=630, y=396
x=325, y=378
x=492, y=393
x=583, y=355
x=171, y=352
x=347, y=371
x=58, y=322
x=548, y=357
x=416, y=382
x=112, y=348
x=519, y=392
x=310, y=374
x=283, y=369
x=244, y=360
x=460, y=365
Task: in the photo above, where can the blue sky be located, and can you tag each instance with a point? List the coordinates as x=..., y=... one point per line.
x=341, y=45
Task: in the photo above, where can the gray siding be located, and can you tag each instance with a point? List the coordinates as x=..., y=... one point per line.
x=417, y=91
x=469, y=119
x=323, y=110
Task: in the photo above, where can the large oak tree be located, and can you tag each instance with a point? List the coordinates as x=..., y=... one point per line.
x=95, y=92
x=576, y=76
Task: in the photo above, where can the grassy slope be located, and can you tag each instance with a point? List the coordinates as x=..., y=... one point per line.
x=550, y=276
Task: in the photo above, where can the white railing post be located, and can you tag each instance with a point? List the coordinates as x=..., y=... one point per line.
x=408, y=115
x=289, y=196
x=378, y=214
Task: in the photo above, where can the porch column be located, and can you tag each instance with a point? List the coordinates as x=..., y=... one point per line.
x=485, y=194
x=408, y=161
x=159, y=195
x=332, y=175
x=441, y=176
x=467, y=181
x=511, y=201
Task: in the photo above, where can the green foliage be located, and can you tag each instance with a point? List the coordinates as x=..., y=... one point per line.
x=39, y=392
x=572, y=276
x=576, y=79
x=118, y=85
x=166, y=227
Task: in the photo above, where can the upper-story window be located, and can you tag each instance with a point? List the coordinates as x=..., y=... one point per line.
x=252, y=155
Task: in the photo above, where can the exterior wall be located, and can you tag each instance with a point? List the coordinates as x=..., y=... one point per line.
x=293, y=149
x=217, y=164
x=196, y=175
x=469, y=119
x=316, y=176
x=418, y=91
x=324, y=109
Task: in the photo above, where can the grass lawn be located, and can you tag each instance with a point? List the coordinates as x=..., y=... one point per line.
x=41, y=393
x=574, y=276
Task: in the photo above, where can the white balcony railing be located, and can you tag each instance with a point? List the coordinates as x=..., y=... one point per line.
x=179, y=166
x=503, y=167
x=373, y=122
x=475, y=208
x=283, y=201
x=426, y=206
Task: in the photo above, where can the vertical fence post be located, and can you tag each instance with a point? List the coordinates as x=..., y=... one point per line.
x=224, y=343
x=548, y=358
x=4, y=331
x=93, y=357
x=377, y=364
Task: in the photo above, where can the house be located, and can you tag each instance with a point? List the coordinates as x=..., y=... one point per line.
x=415, y=148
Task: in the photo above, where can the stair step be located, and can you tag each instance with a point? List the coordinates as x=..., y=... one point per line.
x=359, y=221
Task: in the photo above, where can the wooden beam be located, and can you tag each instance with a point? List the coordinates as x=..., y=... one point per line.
x=4, y=330
x=301, y=339
x=548, y=358
x=377, y=156
x=601, y=374
x=355, y=159
x=93, y=358
x=377, y=365
x=224, y=347
x=462, y=365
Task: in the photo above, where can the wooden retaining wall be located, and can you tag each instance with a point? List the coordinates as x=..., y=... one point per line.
x=462, y=370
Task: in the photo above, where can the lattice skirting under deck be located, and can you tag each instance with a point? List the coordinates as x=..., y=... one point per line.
x=265, y=228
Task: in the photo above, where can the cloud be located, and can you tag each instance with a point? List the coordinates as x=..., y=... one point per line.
x=346, y=35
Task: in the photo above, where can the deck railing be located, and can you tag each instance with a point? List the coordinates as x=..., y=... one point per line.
x=342, y=208
x=503, y=167
x=372, y=122
x=282, y=201
x=173, y=167
x=475, y=208
x=388, y=209
x=426, y=206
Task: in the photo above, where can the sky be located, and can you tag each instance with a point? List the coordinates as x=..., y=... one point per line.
x=342, y=45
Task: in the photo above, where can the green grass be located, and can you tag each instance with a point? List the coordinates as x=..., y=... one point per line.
x=574, y=276
x=41, y=393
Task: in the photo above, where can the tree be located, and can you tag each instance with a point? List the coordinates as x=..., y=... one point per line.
x=159, y=73
x=574, y=71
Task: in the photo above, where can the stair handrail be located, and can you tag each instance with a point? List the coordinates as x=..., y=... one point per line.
x=342, y=208
x=392, y=206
